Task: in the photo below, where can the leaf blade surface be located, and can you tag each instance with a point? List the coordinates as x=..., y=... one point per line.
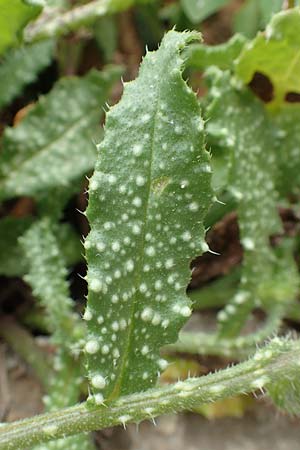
x=53, y=145
x=148, y=198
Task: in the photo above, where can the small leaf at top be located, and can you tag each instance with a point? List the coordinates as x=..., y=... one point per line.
x=238, y=122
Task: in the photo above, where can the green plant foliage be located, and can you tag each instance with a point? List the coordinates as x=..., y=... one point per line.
x=21, y=66
x=201, y=56
x=39, y=153
x=233, y=347
x=254, y=15
x=149, y=23
x=46, y=263
x=15, y=14
x=275, y=54
x=281, y=41
x=47, y=277
x=282, y=286
x=216, y=293
x=287, y=125
x=148, y=213
x=106, y=36
x=269, y=365
x=57, y=3
x=198, y=10
x=239, y=122
x=78, y=442
x=12, y=262
x=285, y=392
x=152, y=168
x=40, y=3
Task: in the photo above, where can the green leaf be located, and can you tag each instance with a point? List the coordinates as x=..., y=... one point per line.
x=275, y=54
x=198, y=10
x=233, y=347
x=12, y=260
x=15, y=14
x=77, y=442
x=216, y=293
x=149, y=24
x=254, y=15
x=57, y=3
x=285, y=390
x=239, y=123
x=106, y=36
x=69, y=244
x=53, y=145
x=287, y=122
x=148, y=199
x=21, y=67
x=53, y=201
x=40, y=3
x=201, y=56
x=47, y=277
x=268, y=9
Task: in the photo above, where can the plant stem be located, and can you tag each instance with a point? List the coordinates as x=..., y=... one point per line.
x=270, y=364
x=71, y=20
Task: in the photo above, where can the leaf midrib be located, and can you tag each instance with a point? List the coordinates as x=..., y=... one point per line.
x=141, y=253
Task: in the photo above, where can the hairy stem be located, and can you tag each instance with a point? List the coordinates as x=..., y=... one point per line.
x=269, y=365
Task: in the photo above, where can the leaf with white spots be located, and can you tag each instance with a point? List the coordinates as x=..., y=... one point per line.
x=148, y=199
x=239, y=123
x=47, y=277
x=12, y=260
x=285, y=390
x=287, y=121
x=53, y=145
x=21, y=66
